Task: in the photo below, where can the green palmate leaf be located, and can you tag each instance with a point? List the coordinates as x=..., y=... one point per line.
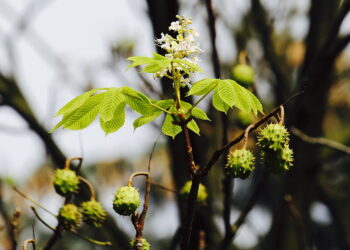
x=145, y=119
x=169, y=128
x=113, y=102
x=139, y=60
x=117, y=121
x=199, y=114
x=138, y=101
x=76, y=102
x=156, y=66
x=165, y=104
x=84, y=115
x=153, y=65
x=218, y=103
x=203, y=87
x=188, y=64
x=226, y=92
x=192, y=125
x=243, y=99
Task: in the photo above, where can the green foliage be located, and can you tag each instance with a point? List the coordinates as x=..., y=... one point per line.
x=153, y=65
x=202, y=191
x=227, y=93
x=159, y=63
x=76, y=102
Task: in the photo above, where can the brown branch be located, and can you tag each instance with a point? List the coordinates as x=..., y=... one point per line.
x=14, y=227
x=222, y=150
x=321, y=141
x=265, y=31
x=32, y=241
x=90, y=187
x=192, y=197
x=215, y=157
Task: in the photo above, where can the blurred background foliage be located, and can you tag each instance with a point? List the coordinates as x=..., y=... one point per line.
x=292, y=46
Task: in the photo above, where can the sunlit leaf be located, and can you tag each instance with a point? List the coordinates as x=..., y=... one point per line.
x=203, y=87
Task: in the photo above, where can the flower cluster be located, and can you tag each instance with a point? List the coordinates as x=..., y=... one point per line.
x=183, y=46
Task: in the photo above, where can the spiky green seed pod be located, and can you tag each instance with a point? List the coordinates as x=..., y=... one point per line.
x=126, y=200
x=65, y=181
x=93, y=213
x=273, y=136
x=240, y=163
x=243, y=74
x=279, y=161
x=145, y=244
x=202, y=191
x=69, y=216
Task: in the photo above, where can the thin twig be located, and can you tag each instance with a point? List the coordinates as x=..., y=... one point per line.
x=160, y=186
x=40, y=219
x=28, y=242
x=281, y=118
x=90, y=187
x=243, y=215
x=97, y=242
x=300, y=227
x=69, y=160
x=133, y=175
x=33, y=201
x=321, y=141
x=215, y=157
x=246, y=134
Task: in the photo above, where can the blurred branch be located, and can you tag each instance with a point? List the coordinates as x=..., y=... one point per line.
x=160, y=186
x=265, y=31
x=340, y=228
x=23, y=25
x=225, y=244
x=300, y=227
x=321, y=141
x=40, y=219
x=228, y=181
x=13, y=97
